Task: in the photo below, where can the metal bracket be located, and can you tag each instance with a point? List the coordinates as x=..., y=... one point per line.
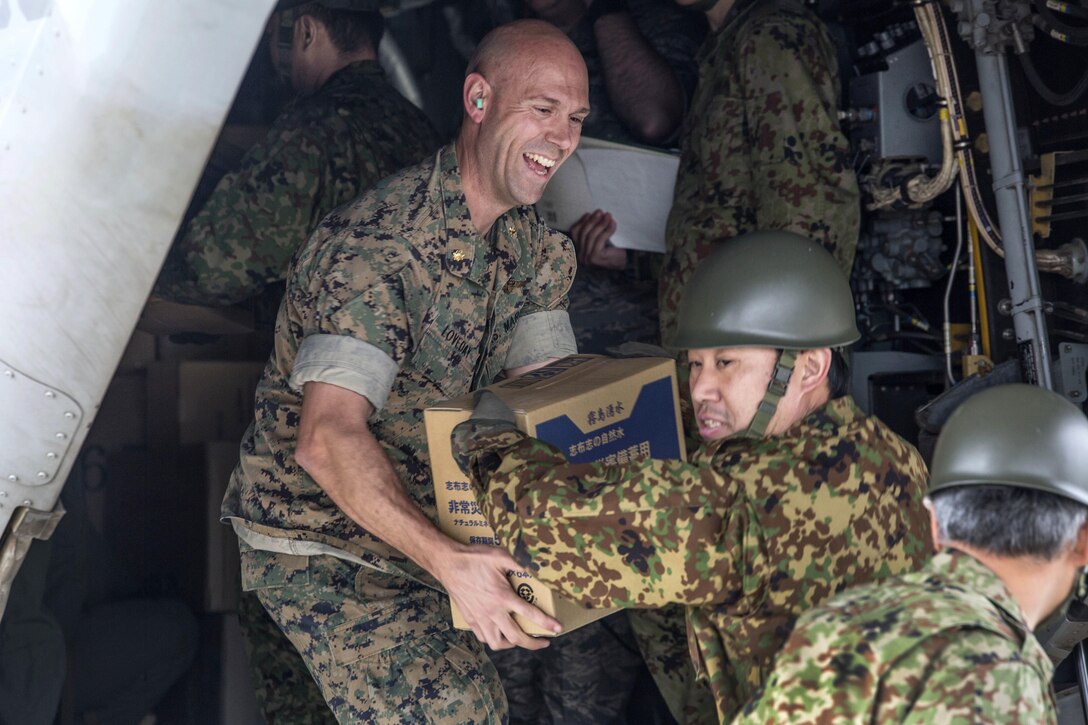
x=992, y=26
x=1073, y=364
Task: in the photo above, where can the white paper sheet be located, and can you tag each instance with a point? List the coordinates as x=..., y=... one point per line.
x=633, y=184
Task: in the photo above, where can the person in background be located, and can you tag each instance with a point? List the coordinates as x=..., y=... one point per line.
x=348, y=128
x=642, y=74
x=761, y=147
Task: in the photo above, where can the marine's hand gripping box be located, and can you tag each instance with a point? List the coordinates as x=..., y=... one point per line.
x=593, y=409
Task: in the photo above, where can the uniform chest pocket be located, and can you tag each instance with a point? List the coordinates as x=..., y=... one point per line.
x=448, y=357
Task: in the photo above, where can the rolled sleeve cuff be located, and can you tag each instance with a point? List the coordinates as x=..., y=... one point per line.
x=540, y=336
x=345, y=362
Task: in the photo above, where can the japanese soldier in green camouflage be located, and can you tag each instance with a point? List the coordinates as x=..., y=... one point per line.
x=428, y=286
x=761, y=146
x=953, y=643
x=348, y=128
x=794, y=495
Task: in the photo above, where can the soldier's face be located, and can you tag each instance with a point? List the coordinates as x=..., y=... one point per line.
x=727, y=385
x=532, y=123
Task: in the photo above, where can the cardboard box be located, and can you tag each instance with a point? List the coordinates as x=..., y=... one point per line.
x=196, y=401
x=593, y=409
x=160, y=317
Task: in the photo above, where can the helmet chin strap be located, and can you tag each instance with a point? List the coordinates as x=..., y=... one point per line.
x=776, y=390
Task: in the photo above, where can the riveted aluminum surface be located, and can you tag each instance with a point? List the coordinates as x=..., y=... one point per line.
x=33, y=452
x=107, y=112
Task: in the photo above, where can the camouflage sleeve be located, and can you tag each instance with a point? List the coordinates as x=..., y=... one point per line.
x=974, y=679
x=555, y=263
x=244, y=236
x=798, y=151
x=640, y=535
x=829, y=674
x=366, y=288
x=544, y=331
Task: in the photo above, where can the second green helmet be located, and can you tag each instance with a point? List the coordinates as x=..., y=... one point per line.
x=766, y=289
x=1014, y=435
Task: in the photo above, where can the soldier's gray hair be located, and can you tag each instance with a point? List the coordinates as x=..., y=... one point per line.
x=1008, y=520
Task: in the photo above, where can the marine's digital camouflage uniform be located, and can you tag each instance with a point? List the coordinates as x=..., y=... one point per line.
x=761, y=145
x=323, y=151
x=399, y=298
x=947, y=644
x=749, y=534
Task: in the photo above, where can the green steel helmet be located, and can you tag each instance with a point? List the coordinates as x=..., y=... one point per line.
x=1014, y=435
x=766, y=289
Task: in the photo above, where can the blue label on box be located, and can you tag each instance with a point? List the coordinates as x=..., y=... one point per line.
x=647, y=430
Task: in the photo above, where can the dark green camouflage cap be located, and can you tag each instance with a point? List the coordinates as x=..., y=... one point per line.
x=1014, y=435
x=766, y=289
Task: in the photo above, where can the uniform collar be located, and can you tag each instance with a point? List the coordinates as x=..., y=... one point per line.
x=468, y=254
x=824, y=422
x=352, y=75
x=964, y=571
x=956, y=569
x=829, y=419
x=717, y=40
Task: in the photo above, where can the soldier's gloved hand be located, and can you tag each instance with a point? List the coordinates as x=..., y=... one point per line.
x=491, y=408
x=638, y=349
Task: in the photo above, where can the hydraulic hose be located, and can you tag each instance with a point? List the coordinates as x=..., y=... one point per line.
x=1055, y=99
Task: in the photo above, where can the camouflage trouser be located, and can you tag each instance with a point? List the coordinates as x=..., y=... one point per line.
x=380, y=647
x=286, y=692
x=584, y=677
x=662, y=637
